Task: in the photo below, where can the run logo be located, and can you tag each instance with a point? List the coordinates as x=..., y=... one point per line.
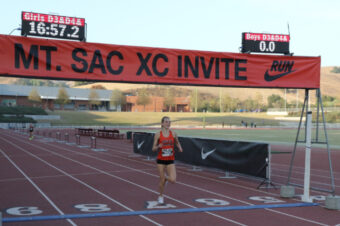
x=279, y=69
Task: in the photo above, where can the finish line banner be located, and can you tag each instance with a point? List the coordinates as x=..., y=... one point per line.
x=69, y=60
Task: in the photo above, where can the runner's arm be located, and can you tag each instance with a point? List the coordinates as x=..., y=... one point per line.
x=155, y=145
x=178, y=144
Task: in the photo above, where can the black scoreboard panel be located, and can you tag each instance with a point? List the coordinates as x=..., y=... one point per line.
x=265, y=43
x=52, y=26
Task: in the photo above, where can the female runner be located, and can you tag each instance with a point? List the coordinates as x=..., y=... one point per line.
x=164, y=142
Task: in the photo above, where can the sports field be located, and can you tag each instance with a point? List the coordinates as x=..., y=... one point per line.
x=268, y=135
x=225, y=126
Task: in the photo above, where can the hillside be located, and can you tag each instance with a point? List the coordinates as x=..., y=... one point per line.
x=330, y=83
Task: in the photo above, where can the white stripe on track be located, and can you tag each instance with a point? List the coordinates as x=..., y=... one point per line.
x=197, y=188
x=86, y=185
x=191, y=186
x=37, y=187
x=119, y=178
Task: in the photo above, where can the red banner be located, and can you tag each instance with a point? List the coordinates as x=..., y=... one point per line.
x=69, y=60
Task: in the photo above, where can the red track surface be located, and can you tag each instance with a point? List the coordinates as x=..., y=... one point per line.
x=55, y=178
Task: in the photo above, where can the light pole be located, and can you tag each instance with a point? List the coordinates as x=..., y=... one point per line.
x=15, y=29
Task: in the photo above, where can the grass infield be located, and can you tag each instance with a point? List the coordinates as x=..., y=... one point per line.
x=225, y=126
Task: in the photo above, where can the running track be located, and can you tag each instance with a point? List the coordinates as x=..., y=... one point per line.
x=48, y=178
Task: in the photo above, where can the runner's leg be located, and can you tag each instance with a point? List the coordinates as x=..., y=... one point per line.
x=171, y=171
x=162, y=178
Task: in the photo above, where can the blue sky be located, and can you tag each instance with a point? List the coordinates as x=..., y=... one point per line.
x=213, y=25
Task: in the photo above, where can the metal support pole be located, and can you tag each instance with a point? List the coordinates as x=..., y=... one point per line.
x=305, y=103
x=328, y=150
x=306, y=193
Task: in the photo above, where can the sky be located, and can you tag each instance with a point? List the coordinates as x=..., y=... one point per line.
x=212, y=25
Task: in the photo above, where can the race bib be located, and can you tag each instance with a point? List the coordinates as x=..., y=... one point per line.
x=166, y=152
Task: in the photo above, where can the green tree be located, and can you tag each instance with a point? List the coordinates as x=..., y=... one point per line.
x=117, y=98
x=336, y=70
x=94, y=98
x=214, y=105
x=143, y=98
x=194, y=100
x=34, y=97
x=259, y=101
x=231, y=104
x=63, y=97
x=249, y=104
x=275, y=101
x=169, y=99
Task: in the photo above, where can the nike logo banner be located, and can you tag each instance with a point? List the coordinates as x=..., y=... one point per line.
x=235, y=156
x=204, y=155
x=68, y=60
x=270, y=78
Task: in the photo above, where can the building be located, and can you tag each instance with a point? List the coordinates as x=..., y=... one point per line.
x=182, y=104
x=17, y=95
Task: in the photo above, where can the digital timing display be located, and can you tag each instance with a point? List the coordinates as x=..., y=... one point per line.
x=53, y=26
x=265, y=43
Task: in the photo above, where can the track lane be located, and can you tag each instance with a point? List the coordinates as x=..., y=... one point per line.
x=71, y=190
x=206, y=218
x=132, y=175
x=248, y=203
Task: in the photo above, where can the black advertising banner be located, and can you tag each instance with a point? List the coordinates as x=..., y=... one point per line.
x=142, y=143
x=235, y=156
x=69, y=60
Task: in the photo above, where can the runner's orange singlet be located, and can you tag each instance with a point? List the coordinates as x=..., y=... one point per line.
x=167, y=150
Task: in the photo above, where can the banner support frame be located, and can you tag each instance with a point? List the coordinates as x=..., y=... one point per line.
x=305, y=109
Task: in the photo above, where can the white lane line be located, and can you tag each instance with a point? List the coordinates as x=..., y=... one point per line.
x=197, y=188
x=191, y=186
x=119, y=178
x=83, y=183
x=37, y=187
x=318, y=172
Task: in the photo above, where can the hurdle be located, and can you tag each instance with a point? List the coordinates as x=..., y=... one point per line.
x=77, y=139
x=66, y=137
x=93, y=142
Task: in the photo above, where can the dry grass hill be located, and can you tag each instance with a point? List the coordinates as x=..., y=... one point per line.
x=330, y=85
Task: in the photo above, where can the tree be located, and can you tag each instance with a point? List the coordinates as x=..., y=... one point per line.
x=117, y=98
x=249, y=104
x=194, y=100
x=336, y=70
x=143, y=98
x=169, y=99
x=275, y=101
x=97, y=87
x=231, y=104
x=94, y=98
x=63, y=97
x=259, y=101
x=34, y=97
